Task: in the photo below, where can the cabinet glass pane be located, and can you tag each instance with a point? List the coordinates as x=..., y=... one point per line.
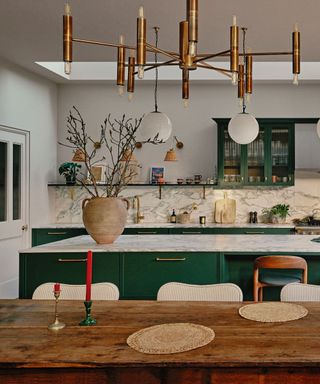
x=16, y=181
x=3, y=180
x=232, y=159
x=280, y=155
x=256, y=159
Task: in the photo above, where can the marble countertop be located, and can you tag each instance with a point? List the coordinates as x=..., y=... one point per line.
x=187, y=243
x=170, y=225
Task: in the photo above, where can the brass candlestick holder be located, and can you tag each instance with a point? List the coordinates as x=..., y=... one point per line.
x=57, y=324
x=88, y=320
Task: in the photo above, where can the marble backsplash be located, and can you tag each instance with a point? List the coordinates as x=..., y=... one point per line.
x=302, y=198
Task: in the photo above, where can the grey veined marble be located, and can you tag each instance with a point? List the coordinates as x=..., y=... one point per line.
x=187, y=243
x=302, y=198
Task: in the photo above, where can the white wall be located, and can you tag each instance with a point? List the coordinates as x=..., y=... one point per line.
x=192, y=125
x=29, y=102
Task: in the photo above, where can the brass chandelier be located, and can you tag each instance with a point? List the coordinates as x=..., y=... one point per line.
x=188, y=59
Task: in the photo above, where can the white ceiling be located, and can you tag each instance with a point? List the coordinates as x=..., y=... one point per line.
x=31, y=30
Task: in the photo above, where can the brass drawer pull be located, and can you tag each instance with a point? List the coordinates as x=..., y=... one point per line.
x=173, y=259
x=72, y=260
x=56, y=233
x=147, y=233
x=254, y=233
x=192, y=233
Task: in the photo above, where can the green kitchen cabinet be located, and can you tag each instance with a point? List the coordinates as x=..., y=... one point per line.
x=69, y=268
x=143, y=274
x=49, y=235
x=267, y=161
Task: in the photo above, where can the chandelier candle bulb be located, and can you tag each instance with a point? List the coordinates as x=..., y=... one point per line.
x=234, y=20
x=141, y=11
x=67, y=9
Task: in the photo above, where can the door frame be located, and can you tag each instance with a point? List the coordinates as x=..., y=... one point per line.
x=26, y=235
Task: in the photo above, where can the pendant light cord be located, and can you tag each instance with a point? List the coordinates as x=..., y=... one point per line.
x=156, y=30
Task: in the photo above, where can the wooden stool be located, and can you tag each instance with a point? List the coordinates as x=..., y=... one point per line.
x=276, y=262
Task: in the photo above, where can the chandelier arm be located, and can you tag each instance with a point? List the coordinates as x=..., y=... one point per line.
x=95, y=42
x=270, y=53
x=202, y=57
x=159, y=50
x=154, y=65
x=209, y=66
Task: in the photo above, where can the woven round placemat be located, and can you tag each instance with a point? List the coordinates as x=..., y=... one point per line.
x=170, y=338
x=272, y=312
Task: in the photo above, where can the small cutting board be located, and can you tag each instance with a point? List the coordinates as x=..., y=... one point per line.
x=225, y=210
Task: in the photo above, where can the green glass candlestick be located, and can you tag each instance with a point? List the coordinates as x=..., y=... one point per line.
x=88, y=320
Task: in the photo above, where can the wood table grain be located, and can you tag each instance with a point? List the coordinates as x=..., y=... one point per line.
x=243, y=351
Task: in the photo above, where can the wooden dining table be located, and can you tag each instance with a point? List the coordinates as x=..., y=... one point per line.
x=242, y=351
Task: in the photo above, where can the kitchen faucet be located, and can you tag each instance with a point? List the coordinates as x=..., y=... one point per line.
x=139, y=216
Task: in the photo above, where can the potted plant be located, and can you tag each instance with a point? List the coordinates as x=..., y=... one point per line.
x=69, y=171
x=104, y=213
x=277, y=214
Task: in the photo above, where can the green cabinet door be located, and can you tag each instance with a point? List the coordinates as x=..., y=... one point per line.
x=49, y=235
x=69, y=268
x=144, y=273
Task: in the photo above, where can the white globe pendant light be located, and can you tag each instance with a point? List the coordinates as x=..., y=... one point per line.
x=243, y=128
x=156, y=127
x=318, y=127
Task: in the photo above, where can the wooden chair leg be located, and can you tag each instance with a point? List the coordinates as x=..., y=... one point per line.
x=255, y=292
x=260, y=294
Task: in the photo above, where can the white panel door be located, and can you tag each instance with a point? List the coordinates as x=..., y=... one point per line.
x=13, y=183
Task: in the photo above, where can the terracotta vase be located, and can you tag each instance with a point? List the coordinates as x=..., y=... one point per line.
x=105, y=217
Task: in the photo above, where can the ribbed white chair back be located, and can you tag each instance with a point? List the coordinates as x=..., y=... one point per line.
x=191, y=292
x=300, y=292
x=99, y=291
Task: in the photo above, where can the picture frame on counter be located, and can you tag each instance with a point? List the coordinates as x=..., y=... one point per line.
x=99, y=172
x=157, y=175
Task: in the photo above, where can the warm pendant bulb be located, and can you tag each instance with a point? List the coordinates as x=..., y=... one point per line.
x=130, y=96
x=248, y=98
x=186, y=103
x=234, y=78
x=120, y=90
x=295, y=79
x=67, y=67
x=156, y=127
x=140, y=72
x=243, y=128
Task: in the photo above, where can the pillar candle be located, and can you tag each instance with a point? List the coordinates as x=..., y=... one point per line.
x=56, y=287
x=89, y=276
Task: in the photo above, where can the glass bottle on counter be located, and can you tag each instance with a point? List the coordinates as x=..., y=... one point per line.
x=173, y=217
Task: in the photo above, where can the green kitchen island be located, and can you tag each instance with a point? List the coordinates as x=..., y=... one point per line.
x=139, y=264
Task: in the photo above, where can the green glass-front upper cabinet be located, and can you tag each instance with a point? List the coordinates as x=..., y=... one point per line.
x=268, y=160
